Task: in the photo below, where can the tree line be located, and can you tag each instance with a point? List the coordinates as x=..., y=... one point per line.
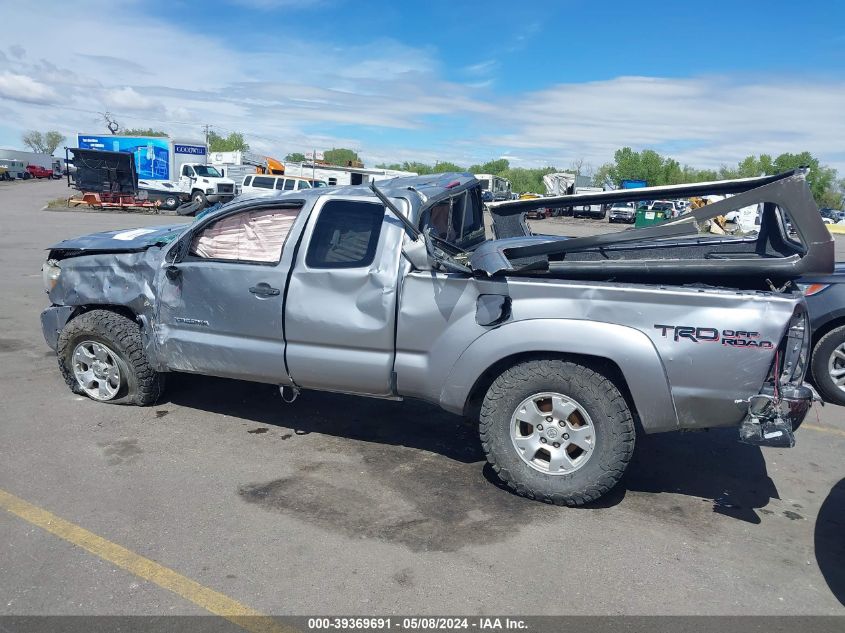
x=656, y=170
x=627, y=164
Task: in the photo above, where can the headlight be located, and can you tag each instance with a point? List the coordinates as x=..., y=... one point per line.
x=210, y=190
x=50, y=273
x=811, y=289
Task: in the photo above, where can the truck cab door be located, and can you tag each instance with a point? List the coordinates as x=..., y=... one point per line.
x=220, y=309
x=187, y=178
x=340, y=312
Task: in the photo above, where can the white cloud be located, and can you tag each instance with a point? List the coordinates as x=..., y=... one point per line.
x=23, y=88
x=704, y=121
x=128, y=98
x=285, y=98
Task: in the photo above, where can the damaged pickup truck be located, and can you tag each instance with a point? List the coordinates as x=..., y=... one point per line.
x=561, y=349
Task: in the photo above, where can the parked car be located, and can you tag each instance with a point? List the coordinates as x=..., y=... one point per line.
x=264, y=182
x=392, y=292
x=622, y=212
x=826, y=302
x=666, y=206
x=537, y=213
x=487, y=196
x=832, y=216
x=37, y=171
x=4, y=173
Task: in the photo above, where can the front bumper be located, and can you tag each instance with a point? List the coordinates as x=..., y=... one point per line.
x=220, y=197
x=53, y=321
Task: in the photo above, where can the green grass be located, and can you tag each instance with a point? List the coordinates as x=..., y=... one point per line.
x=57, y=203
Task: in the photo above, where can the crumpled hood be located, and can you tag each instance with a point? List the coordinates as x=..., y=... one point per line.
x=123, y=240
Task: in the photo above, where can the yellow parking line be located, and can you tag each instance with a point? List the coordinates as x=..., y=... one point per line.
x=823, y=429
x=208, y=599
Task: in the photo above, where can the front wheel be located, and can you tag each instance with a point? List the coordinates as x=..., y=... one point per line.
x=198, y=197
x=101, y=355
x=828, y=366
x=557, y=431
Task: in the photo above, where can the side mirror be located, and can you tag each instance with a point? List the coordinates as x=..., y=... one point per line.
x=172, y=272
x=416, y=252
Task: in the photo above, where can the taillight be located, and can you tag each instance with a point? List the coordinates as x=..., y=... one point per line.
x=796, y=348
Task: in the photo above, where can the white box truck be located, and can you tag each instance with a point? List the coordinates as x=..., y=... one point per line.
x=157, y=159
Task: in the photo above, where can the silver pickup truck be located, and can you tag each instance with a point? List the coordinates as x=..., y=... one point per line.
x=562, y=350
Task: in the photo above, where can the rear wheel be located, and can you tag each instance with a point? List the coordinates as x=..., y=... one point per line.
x=828, y=366
x=557, y=431
x=171, y=202
x=101, y=355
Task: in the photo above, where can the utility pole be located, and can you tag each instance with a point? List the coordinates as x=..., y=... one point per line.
x=206, y=129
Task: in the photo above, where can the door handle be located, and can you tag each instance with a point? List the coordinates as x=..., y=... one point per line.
x=264, y=290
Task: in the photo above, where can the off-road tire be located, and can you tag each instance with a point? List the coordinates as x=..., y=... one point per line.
x=596, y=393
x=141, y=384
x=818, y=366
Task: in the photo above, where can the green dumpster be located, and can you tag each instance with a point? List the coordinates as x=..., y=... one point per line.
x=647, y=217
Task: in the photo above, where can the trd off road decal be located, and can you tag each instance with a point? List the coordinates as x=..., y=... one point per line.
x=729, y=338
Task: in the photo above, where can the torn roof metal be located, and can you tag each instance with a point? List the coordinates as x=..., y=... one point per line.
x=721, y=187
x=774, y=255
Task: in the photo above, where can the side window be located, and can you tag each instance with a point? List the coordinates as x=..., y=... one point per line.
x=458, y=219
x=187, y=171
x=346, y=235
x=290, y=183
x=303, y=184
x=473, y=218
x=255, y=236
x=247, y=180
x=280, y=183
x=262, y=182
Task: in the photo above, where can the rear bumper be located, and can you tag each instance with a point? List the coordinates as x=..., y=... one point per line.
x=772, y=421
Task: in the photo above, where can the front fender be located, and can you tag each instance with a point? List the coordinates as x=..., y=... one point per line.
x=631, y=350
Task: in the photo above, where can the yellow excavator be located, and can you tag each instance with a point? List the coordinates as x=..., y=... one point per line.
x=270, y=166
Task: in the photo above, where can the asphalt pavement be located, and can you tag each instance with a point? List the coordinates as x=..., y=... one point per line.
x=344, y=505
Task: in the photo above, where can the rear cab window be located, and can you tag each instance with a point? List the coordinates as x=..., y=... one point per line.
x=346, y=235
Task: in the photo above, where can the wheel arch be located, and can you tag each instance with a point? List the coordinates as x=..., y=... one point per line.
x=119, y=309
x=623, y=353
x=148, y=340
x=827, y=326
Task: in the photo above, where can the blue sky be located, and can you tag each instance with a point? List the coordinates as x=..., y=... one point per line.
x=537, y=82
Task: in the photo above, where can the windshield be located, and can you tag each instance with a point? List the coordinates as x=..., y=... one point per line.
x=207, y=170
